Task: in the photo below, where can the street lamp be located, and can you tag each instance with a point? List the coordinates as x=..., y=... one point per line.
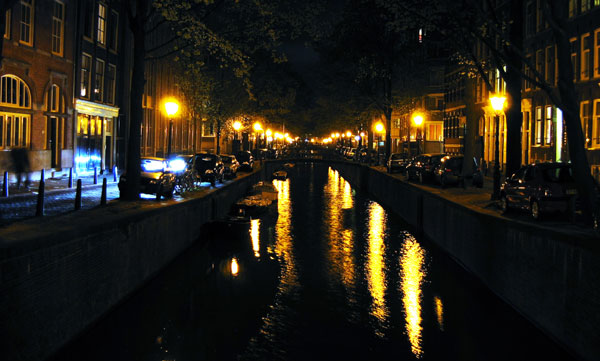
x=418, y=120
x=257, y=129
x=497, y=103
x=379, y=128
x=237, y=125
x=171, y=108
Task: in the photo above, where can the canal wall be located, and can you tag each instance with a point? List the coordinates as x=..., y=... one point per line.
x=550, y=277
x=58, y=275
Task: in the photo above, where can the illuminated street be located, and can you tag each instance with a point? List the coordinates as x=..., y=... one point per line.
x=332, y=275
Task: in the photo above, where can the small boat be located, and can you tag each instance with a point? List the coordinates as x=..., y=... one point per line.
x=265, y=190
x=280, y=175
x=289, y=165
x=252, y=206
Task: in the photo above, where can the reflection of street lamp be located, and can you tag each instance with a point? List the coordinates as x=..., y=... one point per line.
x=497, y=104
x=171, y=108
x=418, y=120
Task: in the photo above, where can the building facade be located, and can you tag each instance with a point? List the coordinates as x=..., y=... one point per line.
x=36, y=83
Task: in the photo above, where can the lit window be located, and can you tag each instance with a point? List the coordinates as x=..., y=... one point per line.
x=54, y=100
x=597, y=53
x=58, y=16
x=99, y=84
x=208, y=129
x=26, y=28
x=585, y=5
x=101, y=30
x=596, y=124
x=585, y=56
x=86, y=64
x=548, y=139
x=14, y=92
x=584, y=114
x=539, y=125
x=572, y=8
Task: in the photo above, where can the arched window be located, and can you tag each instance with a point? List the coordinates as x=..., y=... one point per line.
x=14, y=92
x=14, y=126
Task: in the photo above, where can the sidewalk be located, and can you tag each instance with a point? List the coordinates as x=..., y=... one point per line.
x=479, y=199
x=60, y=181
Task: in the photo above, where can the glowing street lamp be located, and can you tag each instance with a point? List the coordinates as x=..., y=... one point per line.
x=418, y=121
x=379, y=129
x=237, y=125
x=497, y=103
x=171, y=108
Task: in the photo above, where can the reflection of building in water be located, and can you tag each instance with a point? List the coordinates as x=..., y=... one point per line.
x=338, y=197
x=375, y=267
x=439, y=311
x=255, y=236
x=412, y=274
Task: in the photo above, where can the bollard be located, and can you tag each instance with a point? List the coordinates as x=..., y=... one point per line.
x=70, y=185
x=95, y=175
x=78, y=196
x=103, y=196
x=39, y=210
x=115, y=173
x=5, y=185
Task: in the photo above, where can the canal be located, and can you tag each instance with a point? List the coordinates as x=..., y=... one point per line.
x=331, y=275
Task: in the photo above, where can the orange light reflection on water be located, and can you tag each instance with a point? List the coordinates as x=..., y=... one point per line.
x=255, y=236
x=338, y=197
x=375, y=267
x=412, y=274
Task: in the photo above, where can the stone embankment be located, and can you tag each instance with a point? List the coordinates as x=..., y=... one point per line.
x=550, y=275
x=61, y=274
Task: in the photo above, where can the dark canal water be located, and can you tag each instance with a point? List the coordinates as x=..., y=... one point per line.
x=332, y=276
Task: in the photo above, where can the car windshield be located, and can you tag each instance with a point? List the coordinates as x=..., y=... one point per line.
x=397, y=156
x=153, y=165
x=226, y=159
x=558, y=175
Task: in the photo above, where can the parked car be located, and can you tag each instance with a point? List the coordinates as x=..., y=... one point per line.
x=209, y=168
x=246, y=160
x=231, y=165
x=422, y=166
x=449, y=171
x=539, y=188
x=155, y=177
x=397, y=161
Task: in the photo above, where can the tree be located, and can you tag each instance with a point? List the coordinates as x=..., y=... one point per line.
x=227, y=31
x=463, y=23
x=387, y=63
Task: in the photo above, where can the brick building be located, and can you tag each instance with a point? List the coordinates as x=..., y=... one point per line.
x=36, y=83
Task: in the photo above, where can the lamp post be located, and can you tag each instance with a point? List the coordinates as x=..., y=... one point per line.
x=237, y=125
x=257, y=129
x=497, y=104
x=379, y=128
x=418, y=120
x=171, y=108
